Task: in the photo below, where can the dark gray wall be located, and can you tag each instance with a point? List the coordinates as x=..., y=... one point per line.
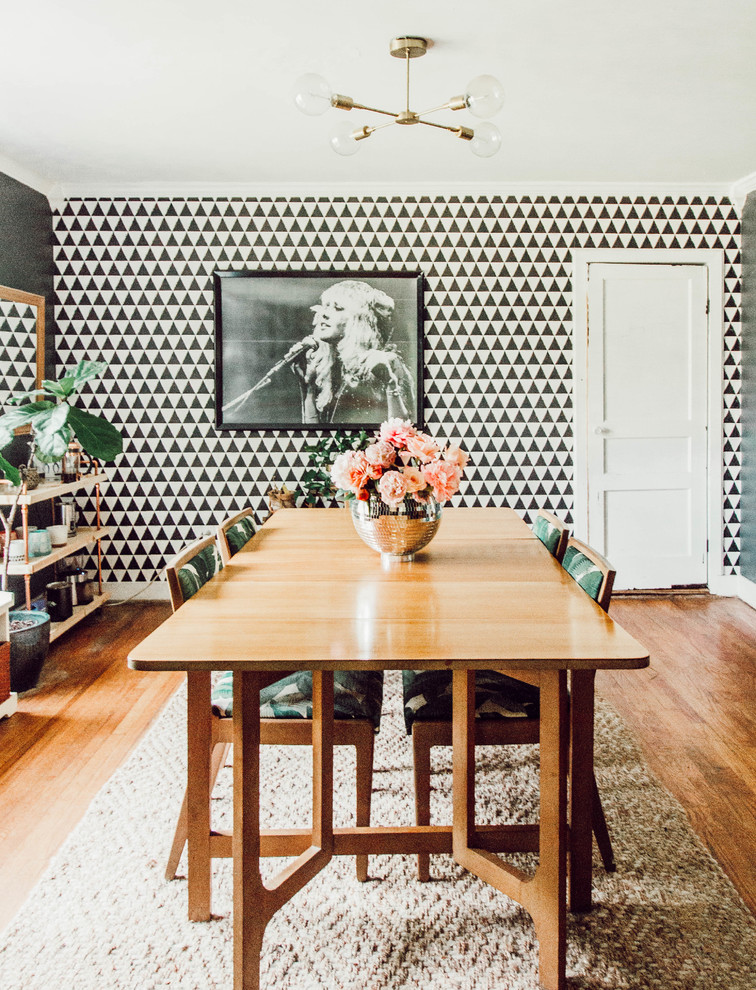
x=26, y=263
x=26, y=239
x=748, y=420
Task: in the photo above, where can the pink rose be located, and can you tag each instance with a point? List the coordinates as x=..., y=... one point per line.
x=443, y=477
x=382, y=454
x=396, y=431
x=455, y=455
x=423, y=447
x=415, y=480
x=349, y=471
x=392, y=488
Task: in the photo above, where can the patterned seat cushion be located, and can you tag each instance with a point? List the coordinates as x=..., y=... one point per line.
x=547, y=533
x=199, y=570
x=240, y=533
x=584, y=571
x=356, y=694
x=428, y=696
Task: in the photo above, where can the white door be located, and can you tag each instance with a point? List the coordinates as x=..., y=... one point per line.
x=646, y=410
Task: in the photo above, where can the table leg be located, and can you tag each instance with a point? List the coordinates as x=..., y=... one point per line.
x=581, y=789
x=199, y=735
x=254, y=902
x=549, y=905
x=543, y=894
x=250, y=914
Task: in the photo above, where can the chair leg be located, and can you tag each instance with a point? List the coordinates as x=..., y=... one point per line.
x=217, y=760
x=422, y=774
x=364, y=773
x=600, y=830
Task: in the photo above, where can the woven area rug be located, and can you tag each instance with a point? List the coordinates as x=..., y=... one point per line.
x=103, y=916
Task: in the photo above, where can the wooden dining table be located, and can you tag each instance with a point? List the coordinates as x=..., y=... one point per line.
x=306, y=594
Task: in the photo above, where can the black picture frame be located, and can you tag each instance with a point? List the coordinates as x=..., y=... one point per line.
x=351, y=363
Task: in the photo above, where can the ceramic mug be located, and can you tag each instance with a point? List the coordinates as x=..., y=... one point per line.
x=16, y=554
x=58, y=535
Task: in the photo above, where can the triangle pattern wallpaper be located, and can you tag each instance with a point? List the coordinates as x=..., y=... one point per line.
x=134, y=287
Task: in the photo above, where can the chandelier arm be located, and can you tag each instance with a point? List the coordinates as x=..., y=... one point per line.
x=443, y=127
x=386, y=113
x=444, y=106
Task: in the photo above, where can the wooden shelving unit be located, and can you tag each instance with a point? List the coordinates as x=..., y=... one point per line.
x=9, y=703
x=85, y=536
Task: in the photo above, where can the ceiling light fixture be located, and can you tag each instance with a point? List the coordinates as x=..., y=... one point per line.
x=483, y=98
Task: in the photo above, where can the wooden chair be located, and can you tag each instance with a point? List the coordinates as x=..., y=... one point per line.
x=552, y=532
x=234, y=532
x=285, y=703
x=507, y=713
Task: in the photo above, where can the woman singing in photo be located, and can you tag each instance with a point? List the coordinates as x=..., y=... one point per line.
x=348, y=370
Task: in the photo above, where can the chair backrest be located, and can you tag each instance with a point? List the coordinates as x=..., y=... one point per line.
x=192, y=568
x=593, y=573
x=234, y=532
x=552, y=532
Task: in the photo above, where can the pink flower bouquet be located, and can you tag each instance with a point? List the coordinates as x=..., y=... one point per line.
x=400, y=463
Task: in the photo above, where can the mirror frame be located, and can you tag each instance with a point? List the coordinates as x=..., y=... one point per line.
x=30, y=299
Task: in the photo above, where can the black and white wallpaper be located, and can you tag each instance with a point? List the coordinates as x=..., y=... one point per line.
x=134, y=286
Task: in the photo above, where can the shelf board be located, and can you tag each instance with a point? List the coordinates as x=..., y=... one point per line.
x=79, y=613
x=83, y=538
x=46, y=490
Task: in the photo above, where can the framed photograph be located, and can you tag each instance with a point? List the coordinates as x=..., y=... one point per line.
x=321, y=350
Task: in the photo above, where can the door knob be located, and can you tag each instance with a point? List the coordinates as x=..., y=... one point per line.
x=601, y=431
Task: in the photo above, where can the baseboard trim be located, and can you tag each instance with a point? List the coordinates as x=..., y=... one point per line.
x=121, y=591
x=747, y=591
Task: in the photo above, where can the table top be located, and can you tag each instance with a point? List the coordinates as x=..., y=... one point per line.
x=307, y=593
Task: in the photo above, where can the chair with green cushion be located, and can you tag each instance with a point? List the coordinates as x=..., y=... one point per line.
x=506, y=710
x=552, y=532
x=234, y=533
x=285, y=705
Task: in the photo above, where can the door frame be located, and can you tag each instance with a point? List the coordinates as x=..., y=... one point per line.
x=713, y=262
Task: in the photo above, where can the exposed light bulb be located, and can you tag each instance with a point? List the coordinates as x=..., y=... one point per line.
x=312, y=94
x=486, y=141
x=343, y=140
x=484, y=96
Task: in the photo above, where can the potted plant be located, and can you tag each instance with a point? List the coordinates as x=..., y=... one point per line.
x=316, y=485
x=55, y=422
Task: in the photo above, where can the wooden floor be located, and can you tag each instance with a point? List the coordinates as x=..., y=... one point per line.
x=693, y=712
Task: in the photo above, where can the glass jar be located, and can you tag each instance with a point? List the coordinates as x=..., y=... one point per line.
x=71, y=464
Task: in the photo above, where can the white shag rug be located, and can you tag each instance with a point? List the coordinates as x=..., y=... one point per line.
x=103, y=917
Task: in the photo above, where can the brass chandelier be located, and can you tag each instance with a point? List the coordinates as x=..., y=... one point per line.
x=483, y=97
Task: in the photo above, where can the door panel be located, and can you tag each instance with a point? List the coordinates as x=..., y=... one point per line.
x=647, y=409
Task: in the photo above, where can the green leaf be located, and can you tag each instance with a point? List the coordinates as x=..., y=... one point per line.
x=86, y=371
x=52, y=444
x=9, y=472
x=56, y=388
x=97, y=436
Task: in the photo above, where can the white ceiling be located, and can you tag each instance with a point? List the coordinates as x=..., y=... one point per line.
x=162, y=93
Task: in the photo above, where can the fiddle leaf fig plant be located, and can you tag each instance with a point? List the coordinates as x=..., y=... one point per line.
x=55, y=421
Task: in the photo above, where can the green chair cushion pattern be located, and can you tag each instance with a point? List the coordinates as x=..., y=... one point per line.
x=356, y=694
x=428, y=696
x=240, y=533
x=199, y=570
x=547, y=533
x=584, y=571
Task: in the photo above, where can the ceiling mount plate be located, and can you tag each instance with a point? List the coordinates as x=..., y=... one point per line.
x=408, y=47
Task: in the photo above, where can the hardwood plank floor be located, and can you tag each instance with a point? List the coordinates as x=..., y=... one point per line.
x=693, y=713
x=68, y=737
